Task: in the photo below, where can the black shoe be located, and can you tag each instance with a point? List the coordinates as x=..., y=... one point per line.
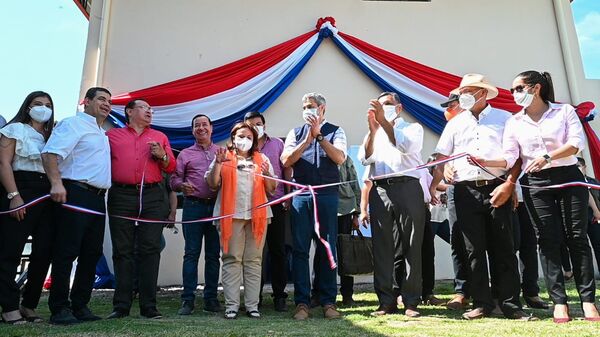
x=348, y=302
x=280, y=304
x=212, y=305
x=118, y=313
x=63, y=317
x=187, y=308
x=85, y=315
x=151, y=313
x=535, y=302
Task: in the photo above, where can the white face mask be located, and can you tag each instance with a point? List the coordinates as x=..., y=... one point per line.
x=260, y=129
x=309, y=112
x=389, y=111
x=40, y=113
x=467, y=101
x=242, y=144
x=523, y=98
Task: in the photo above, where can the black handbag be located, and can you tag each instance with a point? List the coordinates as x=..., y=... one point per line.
x=355, y=254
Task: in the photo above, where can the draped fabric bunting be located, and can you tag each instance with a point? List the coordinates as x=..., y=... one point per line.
x=255, y=82
x=225, y=93
x=586, y=113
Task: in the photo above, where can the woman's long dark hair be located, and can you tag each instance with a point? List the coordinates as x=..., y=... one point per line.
x=23, y=113
x=532, y=77
x=243, y=125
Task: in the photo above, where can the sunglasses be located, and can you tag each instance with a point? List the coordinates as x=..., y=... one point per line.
x=519, y=88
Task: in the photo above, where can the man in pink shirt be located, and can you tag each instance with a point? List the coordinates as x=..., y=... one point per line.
x=139, y=156
x=199, y=201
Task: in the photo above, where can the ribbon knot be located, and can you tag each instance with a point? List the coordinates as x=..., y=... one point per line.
x=322, y=21
x=586, y=111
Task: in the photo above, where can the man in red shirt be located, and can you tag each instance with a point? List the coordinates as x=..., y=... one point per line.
x=139, y=155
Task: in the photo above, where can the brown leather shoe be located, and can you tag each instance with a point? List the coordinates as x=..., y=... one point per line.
x=459, y=302
x=385, y=310
x=476, y=313
x=412, y=311
x=432, y=300
x=302, y=312
x=330, y=312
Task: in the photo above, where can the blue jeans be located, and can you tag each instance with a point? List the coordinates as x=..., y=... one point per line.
x=193, y=234
x=302, y=235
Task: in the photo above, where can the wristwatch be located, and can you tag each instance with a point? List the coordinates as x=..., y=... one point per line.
x=11, y=195
x=319, y=137
x=548, y=159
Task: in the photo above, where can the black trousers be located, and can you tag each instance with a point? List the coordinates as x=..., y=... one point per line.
x=488, y=230
x=125, y=234
x=276, y=250
x=460, y=258
x=528, y=255
x=346, y=282
x=78, y=236
x=397, y=222
x=428, y=261
x=554, y=211
x=39, y=224
x=428, y=256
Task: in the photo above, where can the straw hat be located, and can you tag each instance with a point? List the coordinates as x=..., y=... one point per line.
x=477, y=80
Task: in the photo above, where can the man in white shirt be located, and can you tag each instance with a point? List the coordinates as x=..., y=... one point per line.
x=486, y=229
x=397, y=212
x=77, y=161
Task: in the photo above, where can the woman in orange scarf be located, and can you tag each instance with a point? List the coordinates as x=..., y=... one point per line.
x=236, y=173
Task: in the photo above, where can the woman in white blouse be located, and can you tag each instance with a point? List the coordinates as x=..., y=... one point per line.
x=23, y=179
x=546, y=136
x=237, y=172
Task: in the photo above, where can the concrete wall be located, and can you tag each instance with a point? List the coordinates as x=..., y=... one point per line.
x=134, y=44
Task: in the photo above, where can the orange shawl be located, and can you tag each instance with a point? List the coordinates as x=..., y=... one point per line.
x=229, y=195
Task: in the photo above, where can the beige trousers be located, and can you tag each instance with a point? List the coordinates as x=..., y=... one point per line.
x=244, y=259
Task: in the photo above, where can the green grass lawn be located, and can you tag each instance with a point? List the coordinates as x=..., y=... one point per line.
x=356, y=321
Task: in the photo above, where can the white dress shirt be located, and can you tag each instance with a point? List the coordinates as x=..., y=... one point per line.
x=83, y=150
x=387, y=158
x=28, y=147
x=529, y=140
x=478, y=137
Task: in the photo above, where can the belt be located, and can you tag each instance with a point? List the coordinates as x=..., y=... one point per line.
x=95, y=190
x=135, y=186
x=480, y=183
x=207, y=201
x=392, y=180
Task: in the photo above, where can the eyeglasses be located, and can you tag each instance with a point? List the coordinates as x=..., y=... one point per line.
x=145, y=108
x=519, y=88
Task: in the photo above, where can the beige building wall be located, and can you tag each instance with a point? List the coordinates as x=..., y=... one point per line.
x=134, y=44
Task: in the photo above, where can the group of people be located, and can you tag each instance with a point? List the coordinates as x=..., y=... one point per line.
x=77, y=163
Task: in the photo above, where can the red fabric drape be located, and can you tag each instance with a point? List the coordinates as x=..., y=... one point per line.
x=583, y=110
x=437, y=80
x=215, y=80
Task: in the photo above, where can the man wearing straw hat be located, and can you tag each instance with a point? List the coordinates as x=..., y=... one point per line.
x=486, y=226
